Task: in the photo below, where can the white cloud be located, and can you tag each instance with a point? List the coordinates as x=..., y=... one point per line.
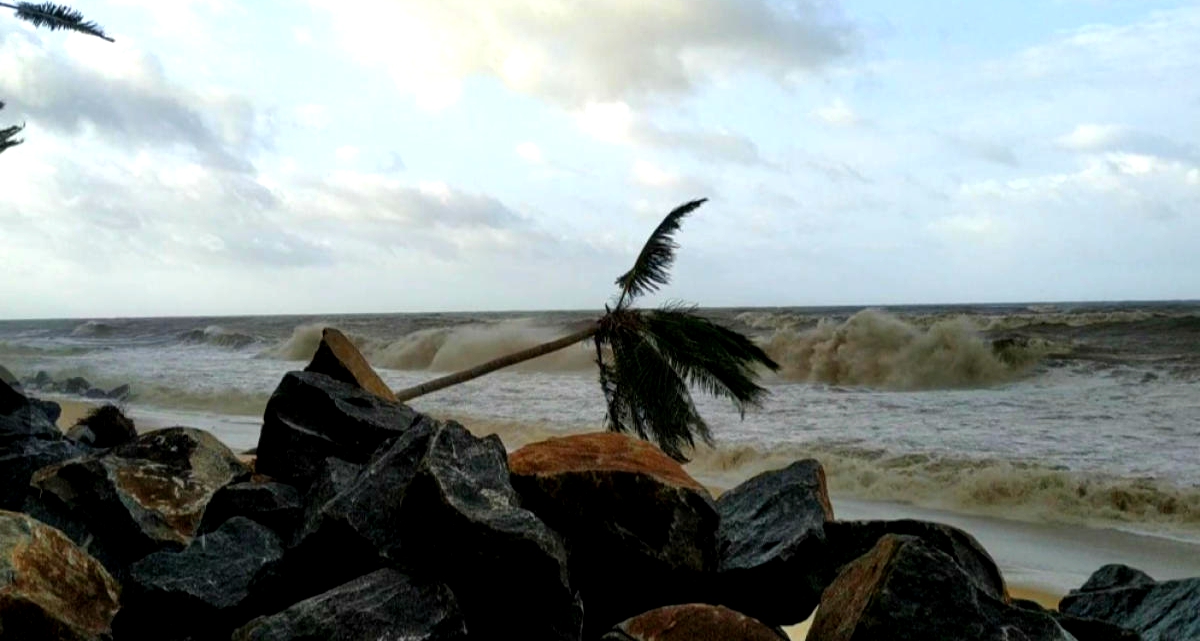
x=647, y=173
x=347, y=153
x=1101, y=138
x=837, y=113
x=575, y=53
x=530, y=152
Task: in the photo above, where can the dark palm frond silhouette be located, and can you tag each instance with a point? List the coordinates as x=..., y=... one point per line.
x=649, y=360
x=55, y=17
x=8, y=135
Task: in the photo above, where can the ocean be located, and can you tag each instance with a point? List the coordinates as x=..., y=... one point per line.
x=1068, y=419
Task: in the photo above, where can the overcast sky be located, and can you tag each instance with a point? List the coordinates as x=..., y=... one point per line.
x=227, y=157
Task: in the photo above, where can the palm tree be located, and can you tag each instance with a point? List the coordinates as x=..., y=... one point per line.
x=649, y=359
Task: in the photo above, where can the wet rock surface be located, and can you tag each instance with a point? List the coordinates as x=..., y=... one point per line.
x=274, y=505
x=49, y=587
x=690, y=622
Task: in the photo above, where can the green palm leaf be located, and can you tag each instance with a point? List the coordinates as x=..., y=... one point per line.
x=651, y=269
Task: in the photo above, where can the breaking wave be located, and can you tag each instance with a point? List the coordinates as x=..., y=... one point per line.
x=445, y=348
x=1009, y=489
x=218, y=336
x=94, y=329
x=875, y=349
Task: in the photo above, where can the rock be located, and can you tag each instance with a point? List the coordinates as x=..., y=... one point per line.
x=7, y=377
x=76, y=385
x=204, y=586
x=905, y=588
x=137, y=498
x=20, y=418
x=49, y=587
x=1124, y=596
x=51, y=409
x=639, y=531
x=311, y=417
x=439, y=503
x=274, y=505
x=772, y=533
x=118, y=393
x=40, y=380
x=103, y=427
x=95, y=393
x=692, y=622
x=332, y=479
x=845, y=541
x=1081, y=628
x=20, y=459
x=382, y=605
x=339, y=359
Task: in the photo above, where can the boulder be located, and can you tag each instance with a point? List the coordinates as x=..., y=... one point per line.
x=384, y=604
x=1124, y=596
x=692, y=622
x=21, y=418
x=203, y=586
x=51, y=409
x=311, y=417
x=439, y=503
x=40, y=380
x=76, y=385
x=103, y=427
x=332, y=479
x=906, y=588
x=274, y=505
x=845, y=541
x=137, y=498
x=640, y=532
x=1083, y=629
x=338, y=358
x=772, y=534
x=118, y=393
x=20, y=459
x=7, y=377
x=95, y=393
x=49, y=587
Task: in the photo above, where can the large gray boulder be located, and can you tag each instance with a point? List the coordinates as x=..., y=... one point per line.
x=905, y=589
x=438, y=502
x=204, y=587
x=312, y=416
x=1125, y=596
x=19, y=459
x=22, y=418
x=772, y=534
x=382, y=605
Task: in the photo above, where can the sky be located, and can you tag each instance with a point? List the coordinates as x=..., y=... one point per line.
x=270, y=157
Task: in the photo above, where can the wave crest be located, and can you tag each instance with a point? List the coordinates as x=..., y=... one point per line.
x=218, y=336
x=875, y=349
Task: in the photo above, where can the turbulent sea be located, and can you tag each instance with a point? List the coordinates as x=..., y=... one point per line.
x=1083, y=414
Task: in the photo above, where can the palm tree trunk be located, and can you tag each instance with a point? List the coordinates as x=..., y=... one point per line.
x=436, y=384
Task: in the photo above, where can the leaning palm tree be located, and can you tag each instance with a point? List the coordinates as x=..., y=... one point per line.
x=649, y=359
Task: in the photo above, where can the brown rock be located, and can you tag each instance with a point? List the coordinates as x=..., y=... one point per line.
x=693, y=622
x=905, y=588
x=49, y=587
x=640, y=533
x=338, y=358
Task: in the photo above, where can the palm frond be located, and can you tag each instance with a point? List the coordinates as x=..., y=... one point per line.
x=645, y=394
x=713, y=358
x=651, y=269
x=56, y=16
x=7, y=135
